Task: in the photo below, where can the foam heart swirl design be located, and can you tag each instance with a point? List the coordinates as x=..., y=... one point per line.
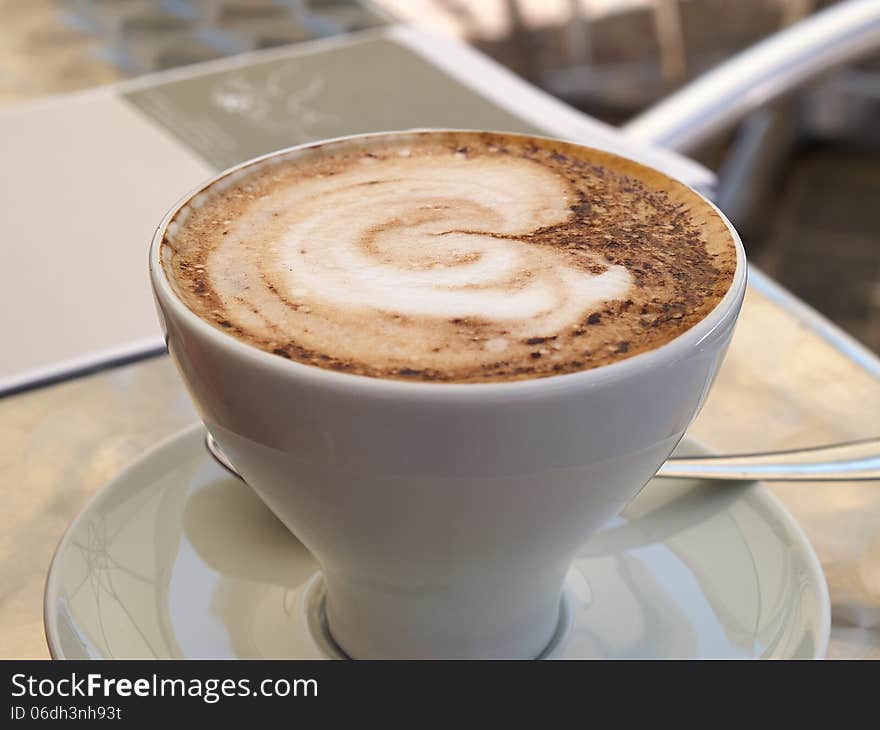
x=413, y=239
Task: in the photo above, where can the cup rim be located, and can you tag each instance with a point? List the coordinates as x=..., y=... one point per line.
x=728, y=305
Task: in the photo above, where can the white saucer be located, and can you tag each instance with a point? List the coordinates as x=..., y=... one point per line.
x=175, y=558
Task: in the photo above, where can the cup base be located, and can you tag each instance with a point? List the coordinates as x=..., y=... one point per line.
x=315, y=610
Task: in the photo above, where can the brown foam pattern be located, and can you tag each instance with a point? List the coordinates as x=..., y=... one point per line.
x=448, y=256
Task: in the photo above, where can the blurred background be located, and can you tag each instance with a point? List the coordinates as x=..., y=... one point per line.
x=801, y=180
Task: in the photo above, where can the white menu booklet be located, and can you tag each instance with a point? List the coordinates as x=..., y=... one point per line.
x=88, y=176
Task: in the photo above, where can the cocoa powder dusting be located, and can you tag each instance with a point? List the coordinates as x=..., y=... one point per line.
x=678, y=251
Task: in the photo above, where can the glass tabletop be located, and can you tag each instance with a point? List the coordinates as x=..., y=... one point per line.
x=791, y=378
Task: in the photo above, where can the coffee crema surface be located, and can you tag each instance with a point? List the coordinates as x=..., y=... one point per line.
x=450, y=256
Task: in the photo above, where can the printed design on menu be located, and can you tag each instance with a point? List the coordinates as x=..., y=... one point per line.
x=281, y=102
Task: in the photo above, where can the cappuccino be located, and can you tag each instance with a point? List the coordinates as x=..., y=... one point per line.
x=449, y=256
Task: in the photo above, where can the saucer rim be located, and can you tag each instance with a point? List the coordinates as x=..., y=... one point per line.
x=50, y=591
x=50, y=588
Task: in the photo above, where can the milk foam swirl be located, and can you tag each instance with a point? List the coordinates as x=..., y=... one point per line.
x=448, y=257
x=438, y=241
x=411, y=240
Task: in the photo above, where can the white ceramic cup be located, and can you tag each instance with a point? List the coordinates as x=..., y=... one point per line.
x=444, y=516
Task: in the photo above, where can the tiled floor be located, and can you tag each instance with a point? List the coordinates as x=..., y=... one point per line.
x=822, y=240
x=53, y=46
